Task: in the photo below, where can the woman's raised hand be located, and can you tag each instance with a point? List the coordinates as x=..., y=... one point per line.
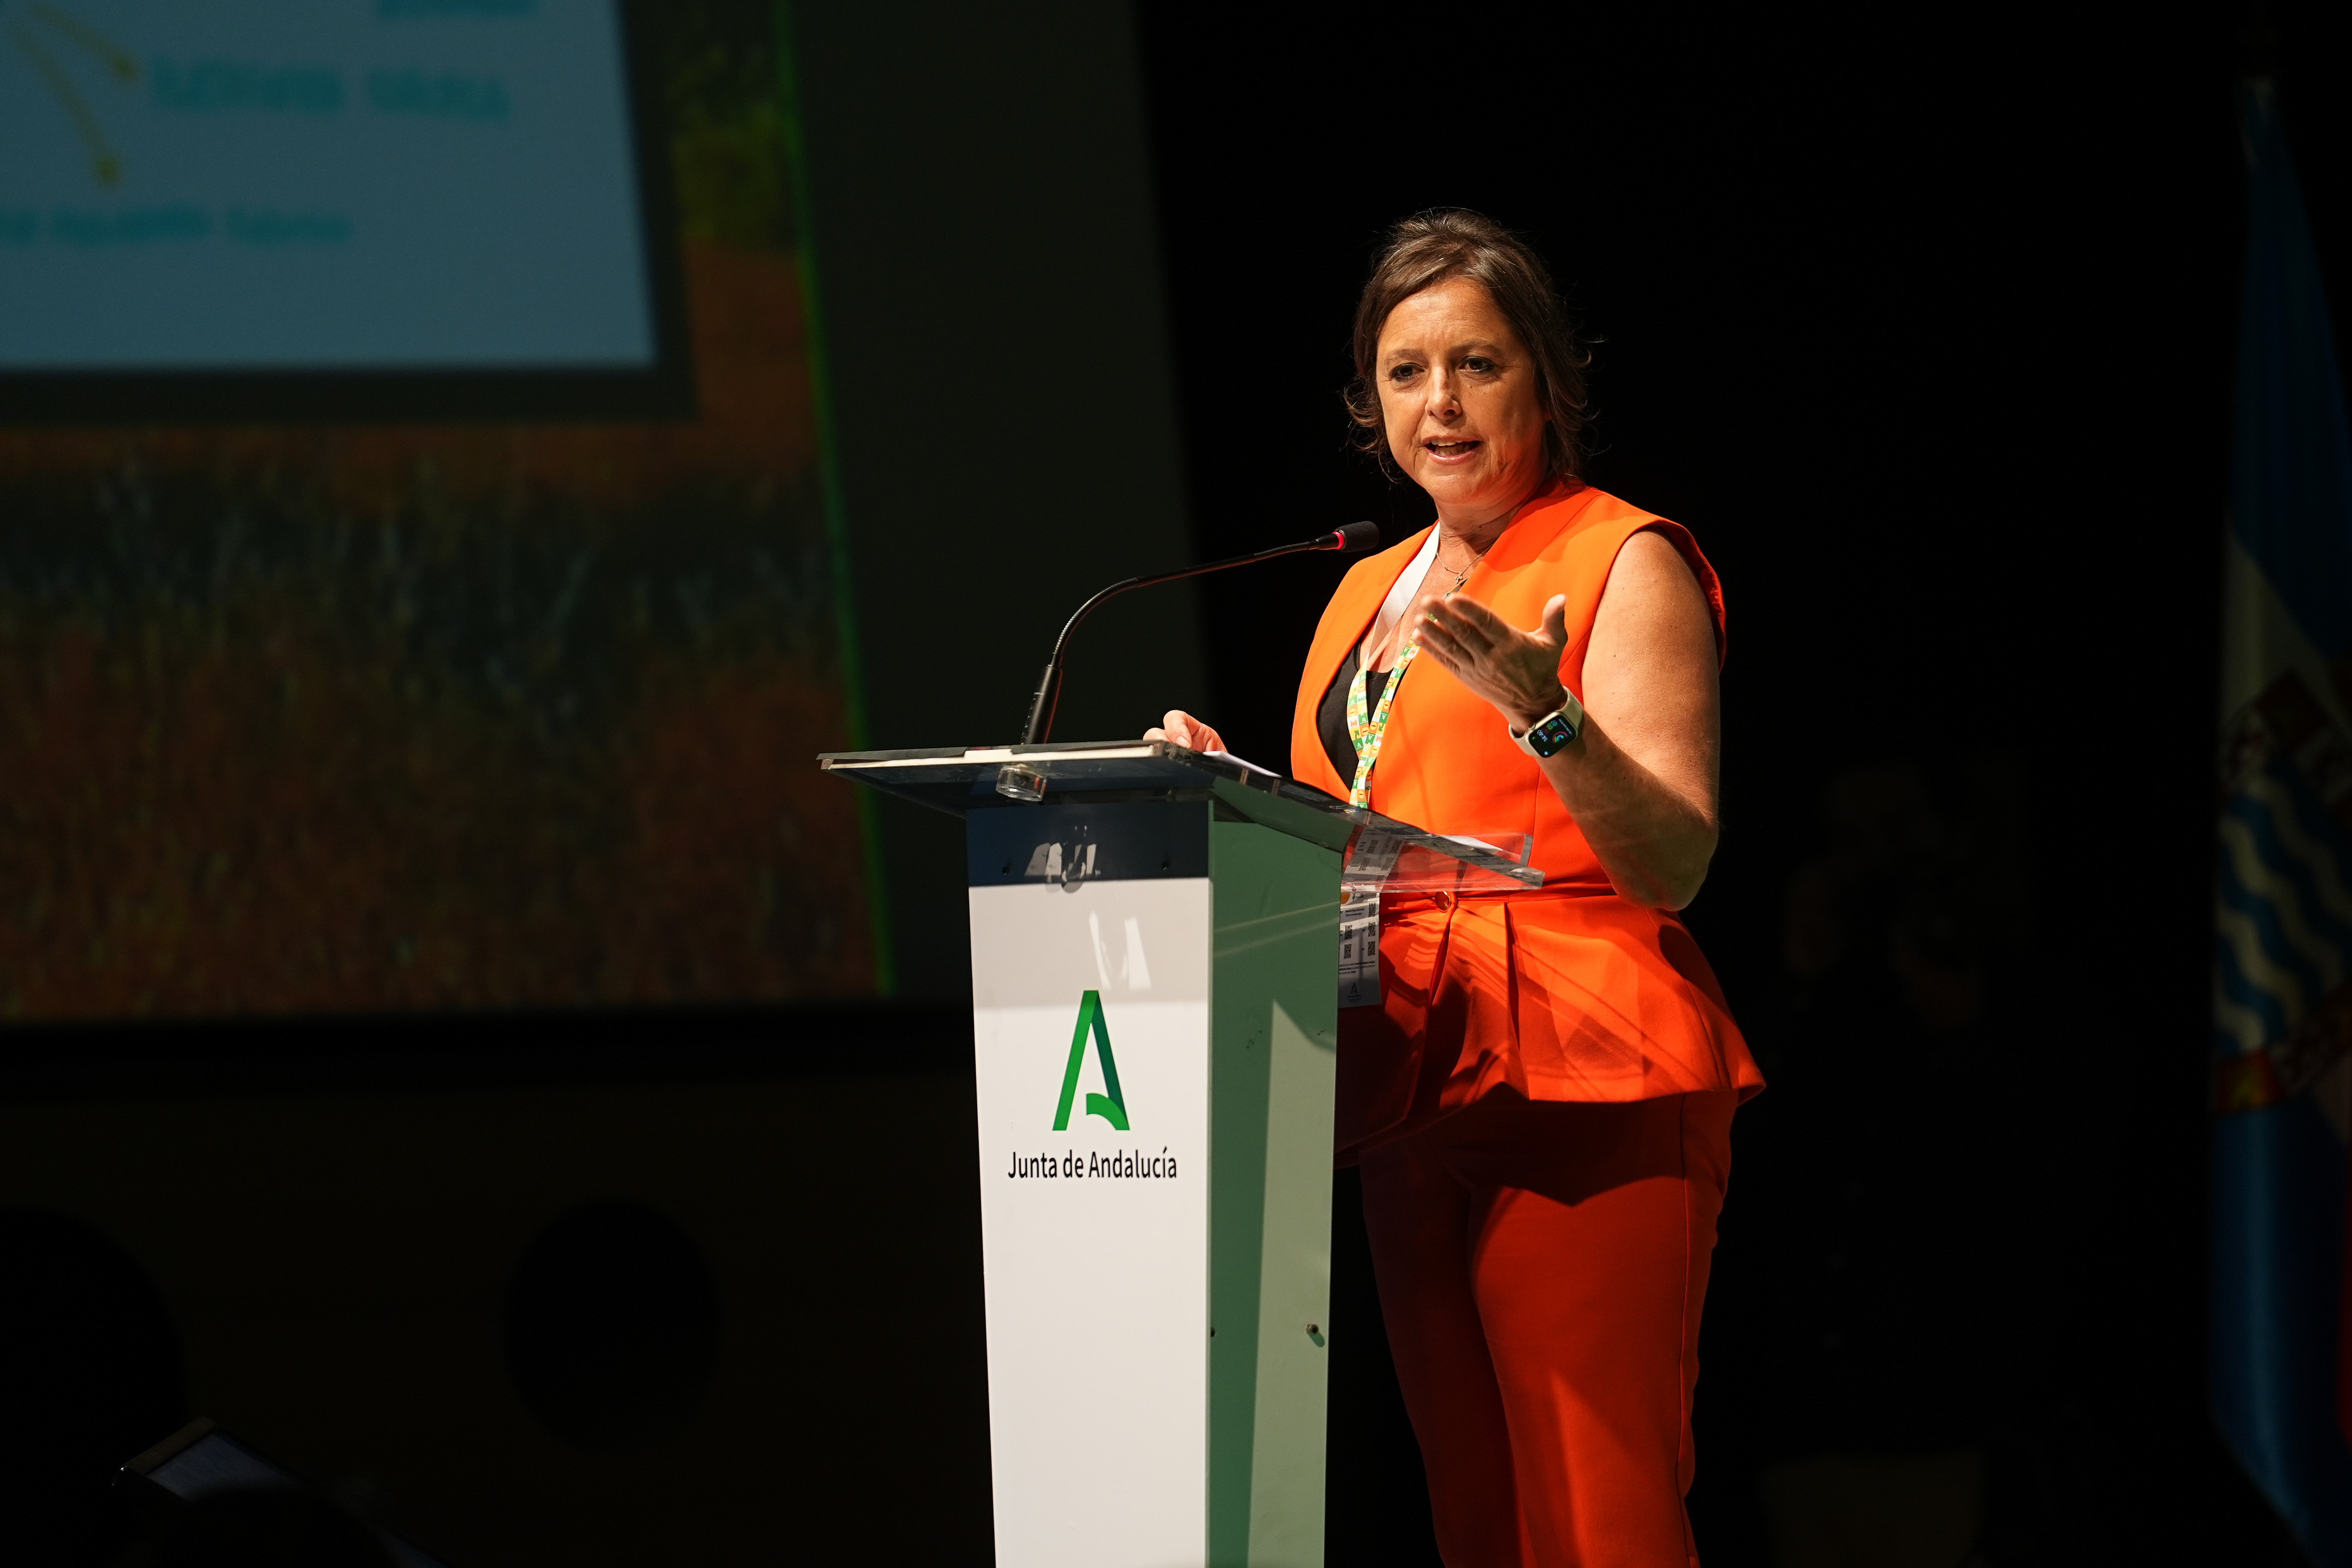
x=1517, y=671
x=1181, y=729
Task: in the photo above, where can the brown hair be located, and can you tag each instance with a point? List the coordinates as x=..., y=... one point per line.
x=1427, y=249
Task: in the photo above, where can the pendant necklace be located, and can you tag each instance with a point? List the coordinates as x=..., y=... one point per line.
x=1463, y=575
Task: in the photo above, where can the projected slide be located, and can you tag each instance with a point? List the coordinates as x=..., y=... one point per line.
x=209, y=185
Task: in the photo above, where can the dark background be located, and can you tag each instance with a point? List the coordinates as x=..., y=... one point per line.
x=1923, y=323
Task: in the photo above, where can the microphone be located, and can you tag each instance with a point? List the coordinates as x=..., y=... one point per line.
x=1352, y=540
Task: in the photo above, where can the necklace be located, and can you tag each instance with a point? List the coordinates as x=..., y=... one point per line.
x=1396, y=633
x=1463, y=575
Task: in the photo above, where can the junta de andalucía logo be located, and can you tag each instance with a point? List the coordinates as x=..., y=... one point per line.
x=1131, y=1164
x=1111, y=1107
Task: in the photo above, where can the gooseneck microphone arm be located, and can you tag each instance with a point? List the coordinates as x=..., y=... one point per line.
x=1349, y=541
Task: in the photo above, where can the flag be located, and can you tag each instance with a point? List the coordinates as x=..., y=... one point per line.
x=2280, y=1372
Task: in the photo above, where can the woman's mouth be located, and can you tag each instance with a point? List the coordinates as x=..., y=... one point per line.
x=1450, y=451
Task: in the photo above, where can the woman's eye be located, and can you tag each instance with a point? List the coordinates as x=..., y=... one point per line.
x=1404, y=371
x=1479, y=363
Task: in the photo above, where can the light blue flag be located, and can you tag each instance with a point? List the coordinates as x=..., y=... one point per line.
x=2282, y=889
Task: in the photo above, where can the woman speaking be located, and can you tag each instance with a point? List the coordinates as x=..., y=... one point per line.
x=1541, y=1101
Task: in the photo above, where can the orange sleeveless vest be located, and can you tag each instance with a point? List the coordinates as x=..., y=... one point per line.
x=1566, y=992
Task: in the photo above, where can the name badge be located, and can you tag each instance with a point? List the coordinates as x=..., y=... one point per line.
x=1359, y=946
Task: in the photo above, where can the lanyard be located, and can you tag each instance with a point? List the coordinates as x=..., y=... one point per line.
x=1367, y=731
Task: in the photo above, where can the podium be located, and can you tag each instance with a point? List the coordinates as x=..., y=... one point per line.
x=1158, y=955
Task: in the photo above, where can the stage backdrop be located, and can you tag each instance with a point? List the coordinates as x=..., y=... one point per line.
x=326, y=714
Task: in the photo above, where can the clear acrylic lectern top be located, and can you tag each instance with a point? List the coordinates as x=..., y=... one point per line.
x=1397, y=855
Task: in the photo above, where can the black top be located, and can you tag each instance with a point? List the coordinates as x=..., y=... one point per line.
x=1331, y=719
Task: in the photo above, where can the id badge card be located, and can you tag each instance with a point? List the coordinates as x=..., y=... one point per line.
x=1359, y=946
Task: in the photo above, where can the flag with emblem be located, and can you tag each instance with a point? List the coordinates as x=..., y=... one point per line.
x=2281, y=1374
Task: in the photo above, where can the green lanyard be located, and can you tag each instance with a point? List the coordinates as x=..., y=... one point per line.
x=1369, y=732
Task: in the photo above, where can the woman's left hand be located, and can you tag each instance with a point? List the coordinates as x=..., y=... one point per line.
x=1517, y=671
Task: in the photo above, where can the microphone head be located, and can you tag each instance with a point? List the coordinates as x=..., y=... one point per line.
x=1359, y=537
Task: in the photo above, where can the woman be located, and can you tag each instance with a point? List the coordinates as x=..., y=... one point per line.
x=1541, y=1101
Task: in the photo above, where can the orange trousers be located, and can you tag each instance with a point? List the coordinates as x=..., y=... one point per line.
x=1541, y=1267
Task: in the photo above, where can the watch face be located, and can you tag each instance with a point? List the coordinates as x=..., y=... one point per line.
x=1551, y=734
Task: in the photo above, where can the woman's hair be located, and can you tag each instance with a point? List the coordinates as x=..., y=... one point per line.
x=1427, y=249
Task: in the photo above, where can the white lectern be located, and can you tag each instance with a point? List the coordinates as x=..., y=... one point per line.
x=1155, y=942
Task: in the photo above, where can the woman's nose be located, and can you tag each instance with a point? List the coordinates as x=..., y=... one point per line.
x=1442, y=401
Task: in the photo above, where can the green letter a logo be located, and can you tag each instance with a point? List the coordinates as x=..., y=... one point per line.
x=1111, y=1107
